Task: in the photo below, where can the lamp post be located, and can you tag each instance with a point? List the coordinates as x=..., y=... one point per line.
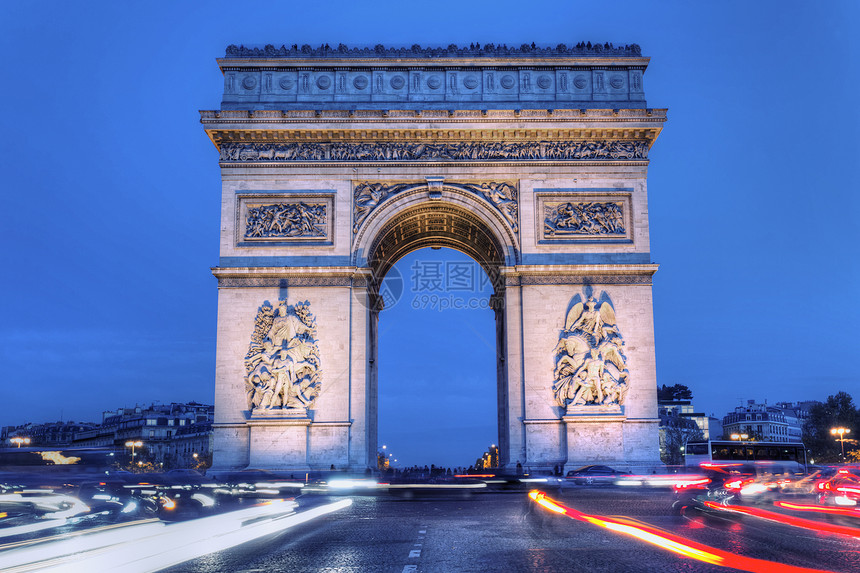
x=841, y=439
x=132, y=445
x=19, y=440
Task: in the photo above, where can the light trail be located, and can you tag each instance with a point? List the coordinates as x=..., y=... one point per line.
x=156, y=546
x=850, y=512
x=786, y=519
x=674, y=543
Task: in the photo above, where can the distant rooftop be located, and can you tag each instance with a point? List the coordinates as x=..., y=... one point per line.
x=452, y=51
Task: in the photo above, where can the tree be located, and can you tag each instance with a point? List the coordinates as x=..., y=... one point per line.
x=675, y=392
x=675, y=434
x=837, y=411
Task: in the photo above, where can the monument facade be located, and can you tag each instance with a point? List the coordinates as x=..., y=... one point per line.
x=336, y=162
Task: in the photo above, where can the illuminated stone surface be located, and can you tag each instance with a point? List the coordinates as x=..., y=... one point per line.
x=336, y=163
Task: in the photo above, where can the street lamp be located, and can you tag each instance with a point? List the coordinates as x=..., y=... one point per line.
x=20, y=440
x=132, y=445
x=841, y=433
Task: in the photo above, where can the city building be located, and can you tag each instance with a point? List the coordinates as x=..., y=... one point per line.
x=166, y=435
x=796, y=414
x=711, y=426
x=764, y=423
x=47, y=434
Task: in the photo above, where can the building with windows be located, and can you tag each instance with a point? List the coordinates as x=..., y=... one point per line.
x=170, y=433
x=764, y=423
x=47, y=434
x=796, y=415
x=671, y=412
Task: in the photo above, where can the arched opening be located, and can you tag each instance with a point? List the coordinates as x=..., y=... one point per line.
x=436, y=357
x=464, y=397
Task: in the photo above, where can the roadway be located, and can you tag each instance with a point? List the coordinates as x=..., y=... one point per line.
x=509, y=532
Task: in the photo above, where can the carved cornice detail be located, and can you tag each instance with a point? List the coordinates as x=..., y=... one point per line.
x=452, y=51
x=606, y=150
x=578, y=280
x=241, y=282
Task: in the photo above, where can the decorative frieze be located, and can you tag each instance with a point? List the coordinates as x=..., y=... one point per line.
x=245, y=282
x=577, y=215
x=283, y=220
x=604, y=150
x=502, y=196
x=584, y=218
x=289, y=217
x=563, y=279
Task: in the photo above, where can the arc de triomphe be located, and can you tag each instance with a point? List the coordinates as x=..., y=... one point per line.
x=336, y=162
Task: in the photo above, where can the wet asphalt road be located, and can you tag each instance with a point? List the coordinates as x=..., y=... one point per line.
x=507, y=532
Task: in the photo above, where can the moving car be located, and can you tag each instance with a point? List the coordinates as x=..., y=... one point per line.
x=843, y=488
x=594, y=475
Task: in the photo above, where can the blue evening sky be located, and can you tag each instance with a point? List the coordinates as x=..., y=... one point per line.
x=111, y=197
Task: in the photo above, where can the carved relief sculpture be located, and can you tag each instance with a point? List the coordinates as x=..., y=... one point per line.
x=502, y=196
x=286, y=220
x=590, y=366
x=608, y=150
x=583, y=218
x=282, y=366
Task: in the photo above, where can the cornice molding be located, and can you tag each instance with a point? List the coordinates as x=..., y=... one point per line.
x=453, y=52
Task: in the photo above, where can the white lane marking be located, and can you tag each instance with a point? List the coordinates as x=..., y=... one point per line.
x=415, y=553
x=410, y=568
x=422, y=531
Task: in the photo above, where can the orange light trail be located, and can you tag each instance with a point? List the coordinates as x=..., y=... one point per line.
x=670, y=542
x=787, y=519
x=849, y=511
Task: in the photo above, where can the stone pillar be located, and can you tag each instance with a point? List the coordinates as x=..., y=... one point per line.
x=515, y=391
x=497, y=303
x=362, y=409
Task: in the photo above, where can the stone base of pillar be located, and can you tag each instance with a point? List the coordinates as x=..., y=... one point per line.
x=279, y=442
x=594, y=439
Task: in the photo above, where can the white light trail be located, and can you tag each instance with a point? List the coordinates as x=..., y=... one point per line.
x=157, y=546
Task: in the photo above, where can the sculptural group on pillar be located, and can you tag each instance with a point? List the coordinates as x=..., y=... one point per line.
x=590, y=365
x=282, y=366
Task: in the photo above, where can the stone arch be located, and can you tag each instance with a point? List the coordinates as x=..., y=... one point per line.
x=448, y=216
x=470, y=224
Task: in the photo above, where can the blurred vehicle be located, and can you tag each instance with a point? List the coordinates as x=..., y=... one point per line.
x=41, y=504
x=717, y=451
x=593, y=475
x=842, y=488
